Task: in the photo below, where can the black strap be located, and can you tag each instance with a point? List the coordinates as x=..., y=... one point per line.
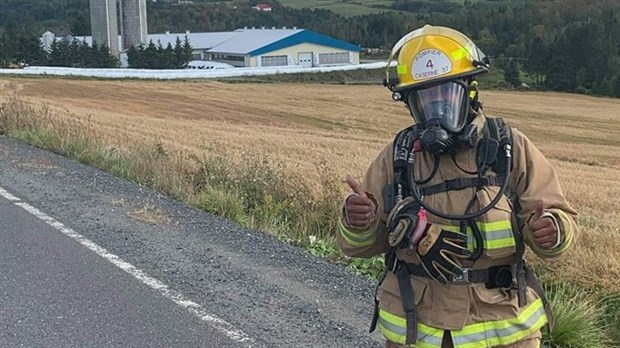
x=390, y=263
x=520, y=263
x=375, y=314
x=486, y=275
x=525, y=276
x=461, y=183
x=532, y=282
x=403, y=145
x=500, y=131
x=406, y=294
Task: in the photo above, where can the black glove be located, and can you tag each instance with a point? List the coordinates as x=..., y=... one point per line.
x=440, y=251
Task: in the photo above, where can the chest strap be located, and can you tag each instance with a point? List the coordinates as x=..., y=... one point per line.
x=462, y=183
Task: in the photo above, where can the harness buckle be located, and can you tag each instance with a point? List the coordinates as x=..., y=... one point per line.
x=462, y=279
x=395, y=267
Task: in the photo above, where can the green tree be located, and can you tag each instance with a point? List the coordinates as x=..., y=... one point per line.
x=80, y=26
x=537, y=60
x=187, y=52
x=616, y=85
x=512, y=73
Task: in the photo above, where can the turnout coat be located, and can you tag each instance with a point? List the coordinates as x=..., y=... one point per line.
x=475, y=315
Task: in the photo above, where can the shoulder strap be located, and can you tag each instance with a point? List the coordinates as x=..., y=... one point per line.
x=502, y=134
x=403, y=145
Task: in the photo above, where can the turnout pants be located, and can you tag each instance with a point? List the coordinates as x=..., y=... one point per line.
x=532, y=341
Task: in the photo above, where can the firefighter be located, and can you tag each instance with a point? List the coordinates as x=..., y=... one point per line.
x=452, y=203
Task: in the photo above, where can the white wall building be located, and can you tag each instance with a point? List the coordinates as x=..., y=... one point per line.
x=260, y=47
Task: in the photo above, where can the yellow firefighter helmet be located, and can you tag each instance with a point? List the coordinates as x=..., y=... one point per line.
x=430, y=55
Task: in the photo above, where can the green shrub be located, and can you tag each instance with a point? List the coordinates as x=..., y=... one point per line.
x=224, y=203
x=579, y=319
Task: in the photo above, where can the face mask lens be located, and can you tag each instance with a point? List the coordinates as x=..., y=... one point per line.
x=443, y=103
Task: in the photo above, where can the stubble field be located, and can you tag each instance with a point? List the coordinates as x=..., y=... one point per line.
x=308, y=126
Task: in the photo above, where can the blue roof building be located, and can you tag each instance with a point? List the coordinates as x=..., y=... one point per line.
x=258, y=47
x=263, y=47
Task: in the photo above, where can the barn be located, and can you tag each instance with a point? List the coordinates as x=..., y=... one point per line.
x=264, y=47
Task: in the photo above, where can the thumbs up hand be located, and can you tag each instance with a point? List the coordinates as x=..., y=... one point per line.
x=542, y=227
x=359, y=208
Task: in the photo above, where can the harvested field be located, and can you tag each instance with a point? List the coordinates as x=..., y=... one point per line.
x=344, y=127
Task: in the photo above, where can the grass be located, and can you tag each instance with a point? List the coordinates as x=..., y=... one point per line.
x=219, y=147
x=580, y=319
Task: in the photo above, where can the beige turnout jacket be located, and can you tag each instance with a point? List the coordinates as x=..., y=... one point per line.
x=459, y=307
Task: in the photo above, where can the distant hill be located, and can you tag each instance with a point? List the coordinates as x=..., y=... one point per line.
x=343, y=8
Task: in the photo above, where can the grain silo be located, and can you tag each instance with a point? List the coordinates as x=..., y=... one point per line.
x=104, y=24
x=133, y=22
x=105, y=16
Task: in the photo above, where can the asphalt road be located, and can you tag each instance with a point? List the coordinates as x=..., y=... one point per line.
x=89, y=260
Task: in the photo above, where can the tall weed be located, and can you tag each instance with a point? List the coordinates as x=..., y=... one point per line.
x=579, y=319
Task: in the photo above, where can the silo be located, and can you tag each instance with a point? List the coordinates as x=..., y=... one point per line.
x=104, y=24
x=133, y=22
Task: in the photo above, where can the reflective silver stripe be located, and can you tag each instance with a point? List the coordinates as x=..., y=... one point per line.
x=497, y=235
x=402, y=331
x=493, y=237
x=491, y=333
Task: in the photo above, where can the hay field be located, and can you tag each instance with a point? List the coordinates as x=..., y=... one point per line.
x=344, y=127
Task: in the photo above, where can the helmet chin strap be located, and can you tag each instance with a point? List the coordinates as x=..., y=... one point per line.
x=472, y=92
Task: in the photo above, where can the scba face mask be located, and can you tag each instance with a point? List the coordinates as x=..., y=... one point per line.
x=445, y=104
x=442, y=112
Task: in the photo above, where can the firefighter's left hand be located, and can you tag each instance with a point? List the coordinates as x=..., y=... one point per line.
x=543, y=230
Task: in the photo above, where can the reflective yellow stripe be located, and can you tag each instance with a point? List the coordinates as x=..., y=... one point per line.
x=394, y=328
x=401, y=69
x=502, y=332
x=495, y=235
x=365, y=238
x=485, y=334
x=459, y=54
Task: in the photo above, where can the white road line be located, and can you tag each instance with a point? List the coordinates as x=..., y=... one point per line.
x=8, y=196
x=222, y=326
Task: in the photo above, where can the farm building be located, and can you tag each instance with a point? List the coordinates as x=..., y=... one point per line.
x=262, y=7
x=260, y=47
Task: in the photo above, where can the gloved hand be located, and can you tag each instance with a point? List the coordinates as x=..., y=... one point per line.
x=359, y=209
x=440, y=251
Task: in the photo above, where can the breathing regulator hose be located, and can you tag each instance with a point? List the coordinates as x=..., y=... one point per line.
x=419, y=199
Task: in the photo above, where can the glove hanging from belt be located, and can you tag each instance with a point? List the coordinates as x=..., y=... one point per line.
x=440, y=251
x=406, y=223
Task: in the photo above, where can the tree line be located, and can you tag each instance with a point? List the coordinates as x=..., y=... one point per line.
x=155, y=56
x=562, y=45
x=17, y=48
